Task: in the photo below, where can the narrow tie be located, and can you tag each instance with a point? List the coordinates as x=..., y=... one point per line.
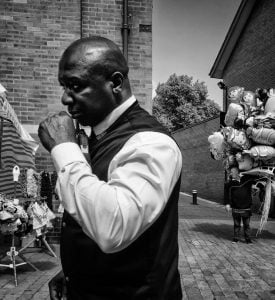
x=83, y=142
x=92, y=139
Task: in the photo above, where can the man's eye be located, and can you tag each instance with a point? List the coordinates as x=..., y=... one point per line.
x=74, y=87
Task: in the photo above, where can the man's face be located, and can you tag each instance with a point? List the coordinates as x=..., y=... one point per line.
x=89, y=98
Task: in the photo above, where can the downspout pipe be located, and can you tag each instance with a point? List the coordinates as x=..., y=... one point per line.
x=81, y=19
x=125, y=29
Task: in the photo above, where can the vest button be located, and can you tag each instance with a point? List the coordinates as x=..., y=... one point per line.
x=63, y=224
x=67, y=278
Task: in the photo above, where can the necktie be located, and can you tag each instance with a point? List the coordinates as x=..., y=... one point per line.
x=83, y=142
x=92, y=139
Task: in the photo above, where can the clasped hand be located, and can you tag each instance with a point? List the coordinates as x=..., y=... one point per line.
x=57, y=287
x=56, y=129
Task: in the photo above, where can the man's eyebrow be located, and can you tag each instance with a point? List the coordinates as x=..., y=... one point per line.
x=65, y=78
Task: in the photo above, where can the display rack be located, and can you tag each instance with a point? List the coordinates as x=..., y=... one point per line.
x=43, y=240
x=14, y=253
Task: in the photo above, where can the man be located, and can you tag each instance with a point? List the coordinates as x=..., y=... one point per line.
x=238, y=197
x=120, y=222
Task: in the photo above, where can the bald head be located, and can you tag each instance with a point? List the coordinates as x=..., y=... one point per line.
x=95, y=54
x=94, y=75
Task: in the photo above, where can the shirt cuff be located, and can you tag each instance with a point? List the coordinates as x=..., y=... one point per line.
x=66, y=153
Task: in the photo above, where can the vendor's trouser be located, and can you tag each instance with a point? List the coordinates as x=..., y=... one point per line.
x=245, y=218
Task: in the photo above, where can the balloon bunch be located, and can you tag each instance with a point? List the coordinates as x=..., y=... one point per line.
x=246, y=144
x=247, y=141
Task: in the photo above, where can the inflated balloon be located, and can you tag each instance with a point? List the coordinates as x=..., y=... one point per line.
x=248, y=98
x=250, y=121
x=265, y=136
x=261, y=152
x=235, y=111
x=270, y=103
x=267, y=120
x=261, y=97
x=245, y=161
x=235, y=94
x=249, y=102
x=217, y=145
x=265, y=171
x=237, y=139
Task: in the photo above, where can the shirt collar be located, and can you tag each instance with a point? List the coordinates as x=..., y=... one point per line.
x=113, y=116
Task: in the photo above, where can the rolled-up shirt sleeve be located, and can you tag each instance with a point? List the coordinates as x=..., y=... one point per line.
x=141, y=178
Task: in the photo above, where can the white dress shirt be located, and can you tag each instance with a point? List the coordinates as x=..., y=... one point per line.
x=141, y=177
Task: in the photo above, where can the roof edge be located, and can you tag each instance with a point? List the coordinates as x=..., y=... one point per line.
x=199, y=123
x=231, y=38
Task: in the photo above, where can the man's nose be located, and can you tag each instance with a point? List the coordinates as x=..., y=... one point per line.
x=66, y=98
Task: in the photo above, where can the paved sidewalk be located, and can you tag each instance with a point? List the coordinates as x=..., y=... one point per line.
x=211, y=266
x=31, y=284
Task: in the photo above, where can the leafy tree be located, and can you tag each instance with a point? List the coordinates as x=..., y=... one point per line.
x=180, y=102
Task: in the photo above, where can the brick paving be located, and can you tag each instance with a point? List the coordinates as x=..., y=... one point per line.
x=211, y=266
x=31, y=284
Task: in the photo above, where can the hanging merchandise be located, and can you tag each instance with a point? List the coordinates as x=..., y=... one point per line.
x=32, y=211
x=13, y=218
x=32, y=183
x=40, y=217
x=46, y=188
x=17, y=147
x=246, y=145
x=24, y=193
x=15, y=140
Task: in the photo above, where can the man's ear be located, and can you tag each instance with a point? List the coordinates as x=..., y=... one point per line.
x=117, y=79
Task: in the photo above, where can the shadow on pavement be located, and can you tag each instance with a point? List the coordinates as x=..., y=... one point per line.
x=45, y=265
x=226, y=231
x=41, y=266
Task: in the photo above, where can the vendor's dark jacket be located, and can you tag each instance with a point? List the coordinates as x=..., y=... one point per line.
x=146, y=269
x=239, y=193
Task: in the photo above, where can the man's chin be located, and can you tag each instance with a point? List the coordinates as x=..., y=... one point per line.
x=83, y=122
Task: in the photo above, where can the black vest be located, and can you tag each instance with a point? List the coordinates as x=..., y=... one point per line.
x=146, y=269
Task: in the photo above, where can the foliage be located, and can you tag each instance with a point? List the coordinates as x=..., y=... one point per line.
x=180, y=102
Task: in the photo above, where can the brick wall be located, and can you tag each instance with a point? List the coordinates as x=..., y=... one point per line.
x=200, y=171
x=252, y=63
x=105, y=18
x=34, y=34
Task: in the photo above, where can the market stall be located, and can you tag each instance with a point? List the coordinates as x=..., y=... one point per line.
x=25, y=194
